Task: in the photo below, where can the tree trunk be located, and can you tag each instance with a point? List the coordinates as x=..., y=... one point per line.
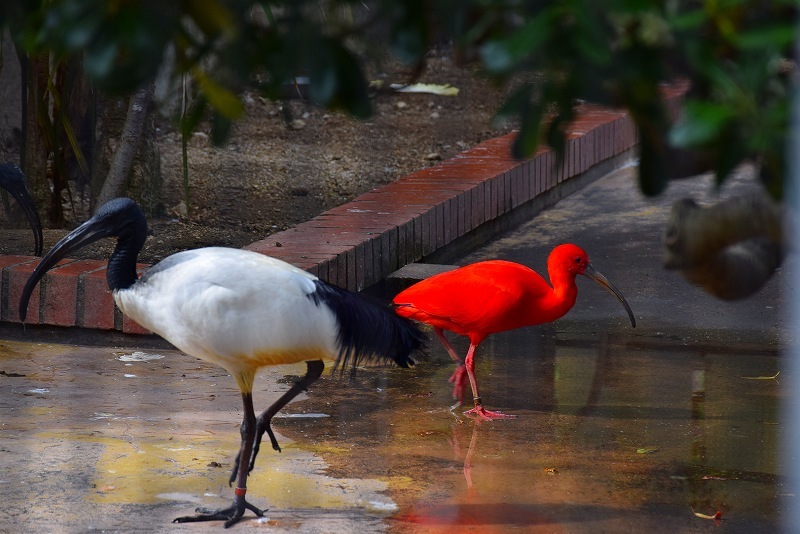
x=34, y=154
x=129, y=141
x=74, y=117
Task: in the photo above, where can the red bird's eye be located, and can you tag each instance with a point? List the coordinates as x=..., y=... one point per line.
x=578, y=259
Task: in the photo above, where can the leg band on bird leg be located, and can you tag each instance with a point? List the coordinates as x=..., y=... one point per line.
x=478, y=401
x=240, y=492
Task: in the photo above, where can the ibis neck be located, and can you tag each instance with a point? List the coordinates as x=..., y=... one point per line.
x=545, y=306
x=564, y=292
x=121, y=271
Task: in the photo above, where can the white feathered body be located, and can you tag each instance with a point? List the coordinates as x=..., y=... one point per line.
x=234, y=308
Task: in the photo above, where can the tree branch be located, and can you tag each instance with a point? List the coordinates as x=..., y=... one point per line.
x=129, y=142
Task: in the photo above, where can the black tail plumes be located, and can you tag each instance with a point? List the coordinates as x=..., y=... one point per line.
x=367, y=331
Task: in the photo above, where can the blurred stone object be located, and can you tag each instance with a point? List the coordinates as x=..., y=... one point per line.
x=730, y=249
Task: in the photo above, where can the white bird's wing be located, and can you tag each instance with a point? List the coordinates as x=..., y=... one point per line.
x=233, y=307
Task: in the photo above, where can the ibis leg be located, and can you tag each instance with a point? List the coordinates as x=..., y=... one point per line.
x=479, y=410
x=234, y=513
x=458, y=379
x=314, y=370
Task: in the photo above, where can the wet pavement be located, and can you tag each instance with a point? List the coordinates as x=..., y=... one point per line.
x=617, y=429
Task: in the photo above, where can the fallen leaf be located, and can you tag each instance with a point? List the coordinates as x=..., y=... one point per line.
x=773, y=377
x=715, y=517
x=430, y=88
x=646, y=450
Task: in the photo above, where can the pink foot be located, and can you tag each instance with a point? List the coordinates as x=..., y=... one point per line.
x=459, y=381
x=483, y=413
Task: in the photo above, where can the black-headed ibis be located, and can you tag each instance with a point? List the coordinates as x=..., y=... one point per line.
x=487, y=297
x=240, y=310
x=13, y=181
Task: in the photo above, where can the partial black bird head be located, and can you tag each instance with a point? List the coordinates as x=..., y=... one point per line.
x=121, y=218
x=13, y=181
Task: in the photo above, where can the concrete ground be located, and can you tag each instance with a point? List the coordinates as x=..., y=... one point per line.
x=622, y=232
x=617, y=429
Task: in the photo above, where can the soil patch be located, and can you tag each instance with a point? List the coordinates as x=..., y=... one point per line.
x=289, y=161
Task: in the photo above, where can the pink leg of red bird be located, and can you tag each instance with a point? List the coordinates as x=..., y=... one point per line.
x=479, y=410
x=459, y=378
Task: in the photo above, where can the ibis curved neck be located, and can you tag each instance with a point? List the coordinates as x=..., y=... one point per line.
x=121, y=271
x=564, y=294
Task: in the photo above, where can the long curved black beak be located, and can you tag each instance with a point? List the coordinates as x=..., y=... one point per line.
x=601, y=280
x=89, y=232
x=12, y=180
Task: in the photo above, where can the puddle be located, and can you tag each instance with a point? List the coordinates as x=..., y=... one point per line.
x=139, y=356
x=615, y=431
x=102, y=452
x=300, y=415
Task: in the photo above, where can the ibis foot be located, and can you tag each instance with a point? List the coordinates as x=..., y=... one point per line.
x=459, y=381
x=230, y=515
x=480, y=412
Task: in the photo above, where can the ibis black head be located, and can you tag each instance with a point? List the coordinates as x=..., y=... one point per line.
x=13, y=181
x=120, y=218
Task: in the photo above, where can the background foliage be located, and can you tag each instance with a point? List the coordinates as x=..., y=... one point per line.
x=737, y=55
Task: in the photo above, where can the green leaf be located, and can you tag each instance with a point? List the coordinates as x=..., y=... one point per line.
x=779, y=36
x=408, y=45
x=501, y=55
x=353, y=91
x=652, y=168
x=99, y=59
x=527, y=140
x=190, y=120
x=521, y=104
x=515, y=103
x=337, y=81
x=689, y=20
x=324, y=74
x=496, y=57
x=210, y=16
x=530, y=132
x=220, y=129
x=533, y=35
x=730, y=152
x=701, y=122
x=220, y=98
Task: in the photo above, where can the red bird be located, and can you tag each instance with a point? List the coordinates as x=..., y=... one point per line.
x=494, y=296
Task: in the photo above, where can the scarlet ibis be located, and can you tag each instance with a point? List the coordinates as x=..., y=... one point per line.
x=13, y=181
x=494, y=296
x=240, y=310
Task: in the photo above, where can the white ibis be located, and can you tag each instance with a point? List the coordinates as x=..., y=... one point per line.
x=13, y=181
x=240, y=310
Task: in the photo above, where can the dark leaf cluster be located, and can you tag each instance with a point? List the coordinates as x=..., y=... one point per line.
x=736, y=55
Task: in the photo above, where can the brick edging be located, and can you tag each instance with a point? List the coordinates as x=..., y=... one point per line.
x=359, y=243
